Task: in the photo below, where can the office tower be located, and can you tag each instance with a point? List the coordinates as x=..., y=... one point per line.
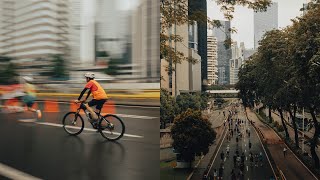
x=224, y=52
x=212, y=60
x=201, y=5
x=265, y=21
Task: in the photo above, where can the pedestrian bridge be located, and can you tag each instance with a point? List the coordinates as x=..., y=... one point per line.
x=223, y=93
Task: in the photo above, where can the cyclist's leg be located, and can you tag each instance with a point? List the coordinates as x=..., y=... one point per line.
x=91, y=103
x=99, y=105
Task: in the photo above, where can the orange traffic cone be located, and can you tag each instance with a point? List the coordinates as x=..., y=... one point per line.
x=51, y=106
x=109, y=108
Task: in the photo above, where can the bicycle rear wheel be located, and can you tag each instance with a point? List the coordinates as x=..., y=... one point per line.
x=111, y=127
x=73, y=123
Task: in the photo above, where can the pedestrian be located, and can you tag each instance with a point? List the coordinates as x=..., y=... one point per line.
x=233, y=175
x=222, y=155
x=260, y=159
x=215, y=174
x=242, y=157
x=234, y=160
x=284, y=152
x=237, y=139
x=220, y=172
x=250, y=145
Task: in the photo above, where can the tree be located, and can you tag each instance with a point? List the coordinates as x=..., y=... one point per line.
x=8, y=75
x=192, y=134
x=167, y=107
x=305, y=54
x=59, y=67
x=113, y=66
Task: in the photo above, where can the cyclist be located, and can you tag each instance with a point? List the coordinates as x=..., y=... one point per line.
x=99, y=97
x=30, y=96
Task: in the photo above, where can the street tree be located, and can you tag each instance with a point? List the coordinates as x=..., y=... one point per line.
x=192, y=134
x=305, y=55
x=167, y=107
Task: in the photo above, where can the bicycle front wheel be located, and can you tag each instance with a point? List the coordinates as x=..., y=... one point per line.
x=111, y=127
x=73, y=123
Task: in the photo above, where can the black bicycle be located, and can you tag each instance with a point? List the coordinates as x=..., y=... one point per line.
x=109, y=126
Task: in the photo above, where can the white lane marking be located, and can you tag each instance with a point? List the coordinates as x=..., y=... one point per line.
x=246, y=158
x=27, y=120
x=245, y=145
x=12, y=173
x=245, y=150
x=247, y=169
x=86, y=129
x=136, y=116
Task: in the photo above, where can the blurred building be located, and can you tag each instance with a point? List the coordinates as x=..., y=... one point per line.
x=145, y=40
x=112, y=27
x=32, y=29
x=224, y=53
x=265, y=21
x=212, y=60
x=196, y=6
x=236, y=61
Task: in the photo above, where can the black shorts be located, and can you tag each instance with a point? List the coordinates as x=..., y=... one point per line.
x=97, y=103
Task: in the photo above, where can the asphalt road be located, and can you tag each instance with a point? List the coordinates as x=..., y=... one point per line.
x=45, y=151
x=250, y=171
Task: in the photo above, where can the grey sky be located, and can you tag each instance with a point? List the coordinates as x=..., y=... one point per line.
x=243, y=18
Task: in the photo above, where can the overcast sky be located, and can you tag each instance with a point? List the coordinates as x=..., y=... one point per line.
x=243, y=18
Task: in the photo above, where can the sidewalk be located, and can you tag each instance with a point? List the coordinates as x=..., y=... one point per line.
x=307, y=134
x=291, y=167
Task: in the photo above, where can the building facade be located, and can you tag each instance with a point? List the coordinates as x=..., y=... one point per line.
x=201, y=5
x=145, y=40
x=265, y=21
x=212, y=60
x=224, y=53
x=34, y=29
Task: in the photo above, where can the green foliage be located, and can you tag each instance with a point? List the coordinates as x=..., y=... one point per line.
x=197, y=101
x=192, y=134
x=59, y=70
x=113, y=66
x=8, y=74
x=167, y=107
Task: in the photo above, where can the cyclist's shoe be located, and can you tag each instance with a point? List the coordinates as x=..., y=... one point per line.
x=39, y=114
x=95, y=125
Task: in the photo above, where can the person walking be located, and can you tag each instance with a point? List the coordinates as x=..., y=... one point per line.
x=220, y=172
x=222, y=156
x=284, y=152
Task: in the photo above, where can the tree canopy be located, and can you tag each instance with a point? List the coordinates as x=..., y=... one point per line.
x=192, y=134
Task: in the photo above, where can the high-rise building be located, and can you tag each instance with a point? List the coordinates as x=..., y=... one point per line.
x=236, y=61
x=196, y=6
x=145, y=40
x=265, y=21
x=212, y=60
x=33, y=29
x=224, y=53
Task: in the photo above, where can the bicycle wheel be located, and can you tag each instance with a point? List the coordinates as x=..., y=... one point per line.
x=111, y=127
x=73, y=123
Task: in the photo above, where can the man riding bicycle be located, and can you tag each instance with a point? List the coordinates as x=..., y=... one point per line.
x=99, y=97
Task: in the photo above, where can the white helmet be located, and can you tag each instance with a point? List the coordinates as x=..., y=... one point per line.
x=27, y=78
x=89, y=75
